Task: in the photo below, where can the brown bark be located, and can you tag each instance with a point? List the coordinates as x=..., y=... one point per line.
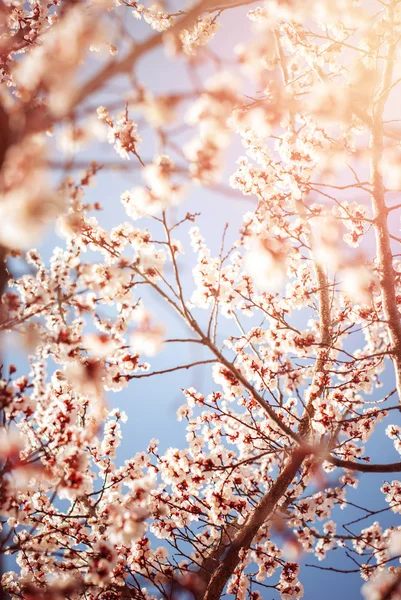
x=244, y=537
x=226, y=559
x=380, y=213
x=5, y=143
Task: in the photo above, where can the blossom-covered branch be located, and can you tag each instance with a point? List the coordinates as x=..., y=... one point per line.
x=267, y=284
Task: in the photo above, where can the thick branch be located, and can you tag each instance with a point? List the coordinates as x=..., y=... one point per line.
x=365, y=468
x=380, y=210
x=125, y=65
x=325, y=340
x=244, y=537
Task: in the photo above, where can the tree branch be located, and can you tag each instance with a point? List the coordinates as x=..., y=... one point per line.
x=380, y=211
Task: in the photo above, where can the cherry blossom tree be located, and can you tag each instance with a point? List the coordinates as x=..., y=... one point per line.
x=304, y=392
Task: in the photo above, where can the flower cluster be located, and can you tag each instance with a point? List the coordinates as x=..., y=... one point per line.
x=122, y=133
